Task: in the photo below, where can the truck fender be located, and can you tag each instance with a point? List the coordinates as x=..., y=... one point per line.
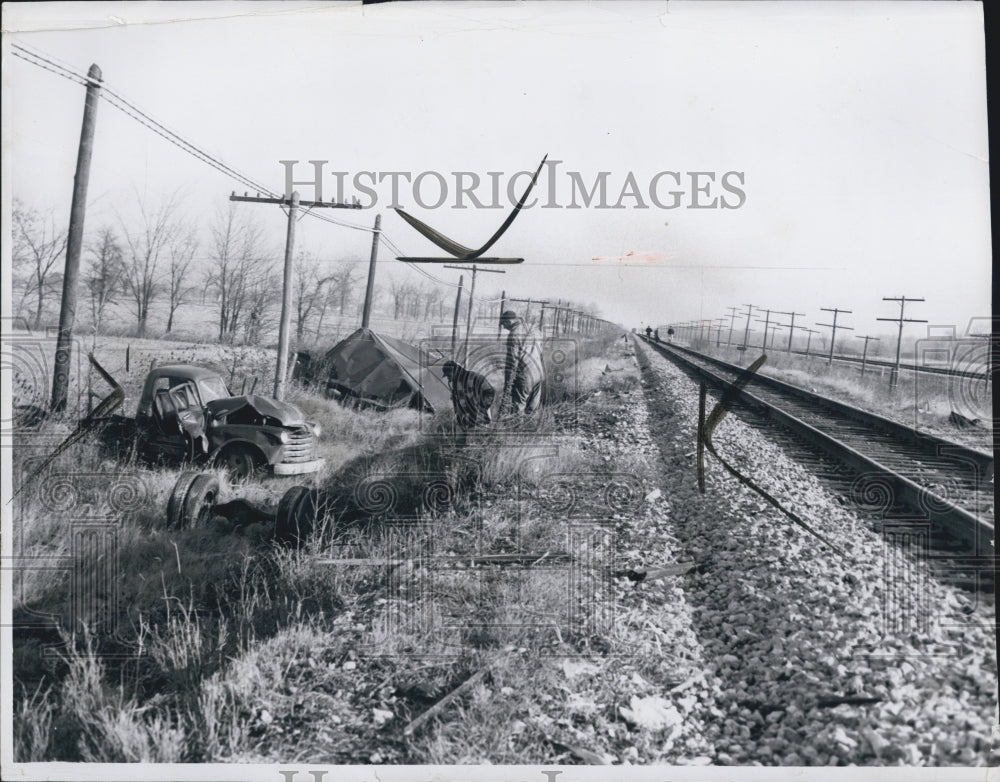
x=219, y=453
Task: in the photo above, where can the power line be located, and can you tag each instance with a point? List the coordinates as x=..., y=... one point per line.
x=128, y=108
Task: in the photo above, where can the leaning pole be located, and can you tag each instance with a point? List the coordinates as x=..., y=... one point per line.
x=74, y=243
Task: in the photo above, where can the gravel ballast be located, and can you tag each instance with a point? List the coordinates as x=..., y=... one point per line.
x=812, y=658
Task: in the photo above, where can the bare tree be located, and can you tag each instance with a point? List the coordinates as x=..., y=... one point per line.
x=341, y=281
x=402, y=290
x=343, y=278
x=236, y=256
x=104, y=273
x=309, y=291
x=432, y=296
x=257, y=312
x=157, y=230
x=37, y=247
x=182, y=281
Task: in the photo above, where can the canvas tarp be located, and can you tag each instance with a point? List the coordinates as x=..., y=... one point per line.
x=386, y=372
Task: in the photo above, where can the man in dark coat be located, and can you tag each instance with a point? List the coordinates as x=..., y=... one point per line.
x=523, y=371
x=472, y=395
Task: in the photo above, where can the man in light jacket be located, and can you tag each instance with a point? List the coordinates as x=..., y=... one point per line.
x=523, y=371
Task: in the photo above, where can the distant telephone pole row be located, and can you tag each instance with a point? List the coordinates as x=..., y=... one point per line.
x=695, y=330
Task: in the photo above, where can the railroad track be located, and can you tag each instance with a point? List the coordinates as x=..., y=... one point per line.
x=947, y=484
x=974, y=355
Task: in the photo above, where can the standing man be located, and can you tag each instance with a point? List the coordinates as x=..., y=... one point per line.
x=523, y=371
x=649, y=330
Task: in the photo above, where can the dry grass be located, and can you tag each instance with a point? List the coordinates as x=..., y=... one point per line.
x=231, y=648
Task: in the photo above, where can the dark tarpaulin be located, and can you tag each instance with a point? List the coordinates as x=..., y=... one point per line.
x=387, y=372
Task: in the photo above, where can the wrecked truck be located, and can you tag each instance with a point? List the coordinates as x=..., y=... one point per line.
x=187, y=414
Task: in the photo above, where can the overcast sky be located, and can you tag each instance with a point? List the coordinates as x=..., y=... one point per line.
x=858, y=131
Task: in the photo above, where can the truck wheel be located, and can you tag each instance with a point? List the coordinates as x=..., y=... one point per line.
x=296, y=515
x=191, y=501
x=175, y=505
x=242, y=463
x=199, y=501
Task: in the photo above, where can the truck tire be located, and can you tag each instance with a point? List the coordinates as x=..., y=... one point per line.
x=191, y=499
x=199, y=501
x=242, y=462
x=296, y=516
x=175, y=504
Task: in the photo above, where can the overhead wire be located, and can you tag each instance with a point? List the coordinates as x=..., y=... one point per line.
x=115, y=98
x=127, y=107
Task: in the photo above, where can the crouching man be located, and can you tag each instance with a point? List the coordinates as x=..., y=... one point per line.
x=472, y=395
x=523, y=370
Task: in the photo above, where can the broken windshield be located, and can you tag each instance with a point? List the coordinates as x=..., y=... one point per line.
x=213, y=388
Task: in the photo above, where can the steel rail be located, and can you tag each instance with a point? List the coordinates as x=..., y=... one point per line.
x=884, y=364
x=956, y=521
x=939, y=445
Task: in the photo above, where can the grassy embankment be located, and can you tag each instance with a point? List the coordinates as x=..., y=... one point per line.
x=215, y=644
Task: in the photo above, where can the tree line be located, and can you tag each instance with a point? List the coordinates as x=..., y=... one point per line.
x=157, y=257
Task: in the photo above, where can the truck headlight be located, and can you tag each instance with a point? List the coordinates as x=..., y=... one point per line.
x=284, y=437
x=317, y=430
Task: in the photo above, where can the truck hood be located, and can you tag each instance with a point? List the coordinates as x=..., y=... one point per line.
x=288, y=415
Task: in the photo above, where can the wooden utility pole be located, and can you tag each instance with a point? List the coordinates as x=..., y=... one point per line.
x=791, y=328
x=541, y=320
x=894, y=376
x=503, y=306
x=769, y=329
x=454, y=320
x=472, y=297
x=74, y=243
x=767, y=323
x=366, y=313
x=285, y=323
x=293, y=204
x=810, y=332
x=719, y=323
x=864, y=355
x=833, y=336
x=732, y=322
x=746, y=331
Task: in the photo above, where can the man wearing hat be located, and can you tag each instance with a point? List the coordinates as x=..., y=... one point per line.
x=522, y=376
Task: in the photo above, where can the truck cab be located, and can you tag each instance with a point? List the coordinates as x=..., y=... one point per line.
x=186, y=413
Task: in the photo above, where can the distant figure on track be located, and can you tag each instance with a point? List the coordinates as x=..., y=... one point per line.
x=649, y=331
x=523, y=372
x=656, y=335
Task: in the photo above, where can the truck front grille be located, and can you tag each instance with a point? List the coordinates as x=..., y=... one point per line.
x=301, y=446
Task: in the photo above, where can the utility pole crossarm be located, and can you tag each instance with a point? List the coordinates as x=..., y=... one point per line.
x=834, y=326
x=894, y=377
x=259, y=199
x=791, y=328
x=472, y=297
x=284, y=324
